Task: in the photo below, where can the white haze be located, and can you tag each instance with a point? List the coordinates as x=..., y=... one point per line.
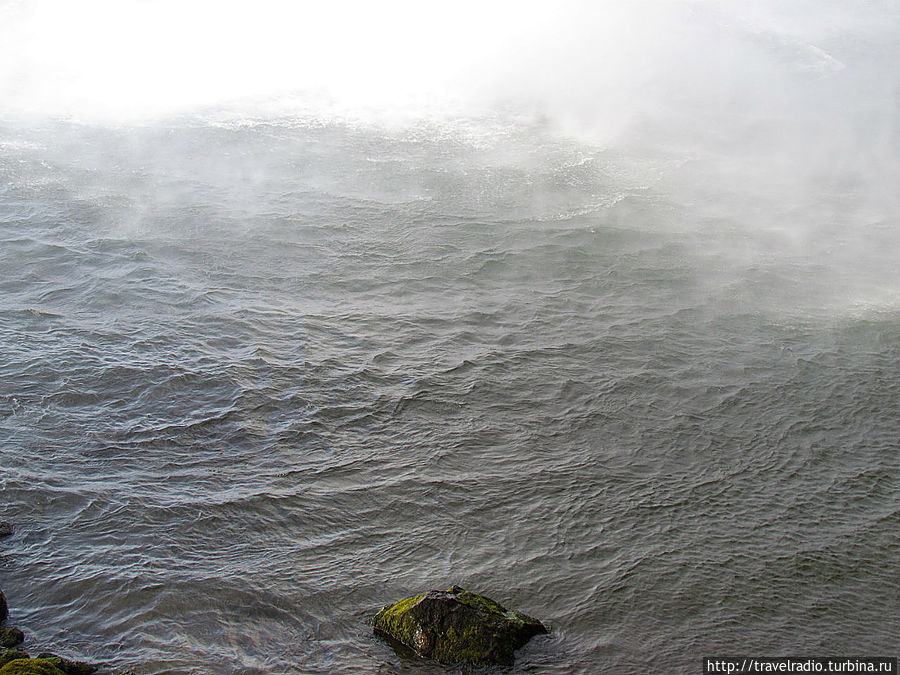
x=801, y=72
x=591, y=62
x=783, y=112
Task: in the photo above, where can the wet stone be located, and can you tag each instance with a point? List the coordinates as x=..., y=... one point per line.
x=68, y=666
x=30, y=667
x=457, y=626
x=10, y=637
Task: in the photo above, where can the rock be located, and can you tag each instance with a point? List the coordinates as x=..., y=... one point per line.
x=30, y=667
x=8, y=655
x=4, y=609
x=6, y=529
x=69, y=667
x=456, y=626
x=10, y=637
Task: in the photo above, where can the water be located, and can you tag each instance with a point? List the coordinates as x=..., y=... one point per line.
x=266, y=370
x=260, y=378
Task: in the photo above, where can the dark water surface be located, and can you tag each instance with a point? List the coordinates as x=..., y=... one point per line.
x=261, y=377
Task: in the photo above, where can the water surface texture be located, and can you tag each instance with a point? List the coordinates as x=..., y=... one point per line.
x=262, y=374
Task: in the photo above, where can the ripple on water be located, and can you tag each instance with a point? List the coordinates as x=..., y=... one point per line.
x=238, y=417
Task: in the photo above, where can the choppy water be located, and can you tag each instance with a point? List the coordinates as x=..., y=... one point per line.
x=261, y=377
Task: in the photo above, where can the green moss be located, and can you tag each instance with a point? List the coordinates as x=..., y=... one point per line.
x=467, y=646
x=399, y=607
x=30, y=667
x=393, y=621
x=8, y=655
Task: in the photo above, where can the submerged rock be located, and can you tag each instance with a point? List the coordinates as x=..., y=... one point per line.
x=30, y=667
x=6, y=529
x=456, y=626
x=4, y=608
x=10, y=637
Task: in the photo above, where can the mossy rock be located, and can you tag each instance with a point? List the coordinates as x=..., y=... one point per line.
x=30, y=667
x=68, y=666
x=10, y=637
x=7, y=655
x=456, y=626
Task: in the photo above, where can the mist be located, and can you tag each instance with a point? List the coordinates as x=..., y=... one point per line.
x=594, y=66
x=775, y=120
